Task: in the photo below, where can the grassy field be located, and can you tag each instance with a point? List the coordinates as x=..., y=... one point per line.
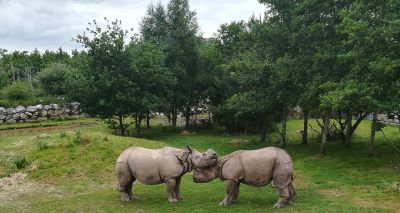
x=68, y=166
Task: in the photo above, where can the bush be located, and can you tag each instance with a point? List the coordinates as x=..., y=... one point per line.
x=78, y=139
x=42, y=145
x=63, y=134
x=19, y=91
x=21, y=162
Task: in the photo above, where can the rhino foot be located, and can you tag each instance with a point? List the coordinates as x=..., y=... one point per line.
x=172, y=200
x=278, y=205
x=224, y=203
x=179, y=197
x=125, y=198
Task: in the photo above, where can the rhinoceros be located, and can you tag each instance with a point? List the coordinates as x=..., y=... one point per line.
x=156, y=166
x=252, y=167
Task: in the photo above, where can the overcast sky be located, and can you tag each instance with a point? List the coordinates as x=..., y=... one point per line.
x=49, y=24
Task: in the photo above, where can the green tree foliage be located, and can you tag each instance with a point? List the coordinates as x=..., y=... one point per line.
x=111, y=90
x=53, y=79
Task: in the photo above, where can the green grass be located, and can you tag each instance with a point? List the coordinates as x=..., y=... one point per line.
x=67, y=176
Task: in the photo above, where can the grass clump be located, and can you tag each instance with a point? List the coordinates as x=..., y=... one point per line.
x=42, y=145
x=63, y=134
x=390, y=187
x=21, y=162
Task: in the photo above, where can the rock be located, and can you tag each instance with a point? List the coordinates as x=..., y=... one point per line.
x=39, y=106
x=54, y=106
x=51, y=112
x=28, y=114
x=15, y=116
x=46, y=107
x=2, y=117
x=11, y=121
x=22, y=116
x=9, y=117
x=3, y=110
x=44, y=113
x=10, y=111
x=75, y=105
x=20, y=109
x=31, y=109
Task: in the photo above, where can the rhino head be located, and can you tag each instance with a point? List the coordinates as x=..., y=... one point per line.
x=205, y=175
x=195, y=159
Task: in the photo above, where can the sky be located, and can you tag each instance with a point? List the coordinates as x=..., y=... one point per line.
x=50, y=24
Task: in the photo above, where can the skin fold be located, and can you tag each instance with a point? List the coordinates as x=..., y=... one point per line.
x=252, y=167
x=156, y=166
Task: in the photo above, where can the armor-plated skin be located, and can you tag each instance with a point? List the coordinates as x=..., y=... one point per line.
x=166, y=165
x=255, y=168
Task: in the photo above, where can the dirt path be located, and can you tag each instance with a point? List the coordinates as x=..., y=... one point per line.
x=11, y=132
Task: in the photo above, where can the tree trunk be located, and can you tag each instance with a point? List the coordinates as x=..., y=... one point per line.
x=138, y=123
x=325, y=133
x=148, y=119
x=121, y=125
x=282, y=143
x=187, y=116
x=349, y=127
x=372, y=137
x=357, y=123
x=174, y=116
x=264, y=123
x=305, y=128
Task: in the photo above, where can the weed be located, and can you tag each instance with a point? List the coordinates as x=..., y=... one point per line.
x=63, y=134
x=78, y=139
x=21, y=162
x=42, y=145
x=390, y=187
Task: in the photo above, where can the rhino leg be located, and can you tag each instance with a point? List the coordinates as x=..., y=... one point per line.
x=178, y=195
x=292, y=192
x=125, y=181
x=171, y=185
x=235, y=193
x=284, y=197
x=230, y=186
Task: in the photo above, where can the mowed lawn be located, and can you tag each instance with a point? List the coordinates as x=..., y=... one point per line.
x=69, y=167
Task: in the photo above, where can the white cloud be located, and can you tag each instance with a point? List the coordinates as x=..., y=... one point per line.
x=45, y=24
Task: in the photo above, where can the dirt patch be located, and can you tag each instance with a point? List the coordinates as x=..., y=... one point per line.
x=332, y=192
x=392, y=205
x=10, y=132
x=185, y=132
x=239, y=141
x=17, y=184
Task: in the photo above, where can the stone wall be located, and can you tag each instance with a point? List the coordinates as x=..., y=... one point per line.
x=38, y=112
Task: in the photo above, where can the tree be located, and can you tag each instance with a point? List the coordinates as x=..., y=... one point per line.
x=53, y=79
x=182, y=57
x=152, y=79
x=111, y=90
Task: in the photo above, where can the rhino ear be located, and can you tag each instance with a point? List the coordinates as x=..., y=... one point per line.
x=182, y=157
x=188, y=148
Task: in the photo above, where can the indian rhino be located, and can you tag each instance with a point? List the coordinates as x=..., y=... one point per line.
x=166, y=165
x=254, y=168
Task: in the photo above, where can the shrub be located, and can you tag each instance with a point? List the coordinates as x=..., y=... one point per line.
x=21, y=162
x=78, y=139
x=42, y=145
x=63, y=134
x=19, y=91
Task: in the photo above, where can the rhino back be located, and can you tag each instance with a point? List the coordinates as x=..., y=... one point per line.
x=258, y=166
x=152, y=166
